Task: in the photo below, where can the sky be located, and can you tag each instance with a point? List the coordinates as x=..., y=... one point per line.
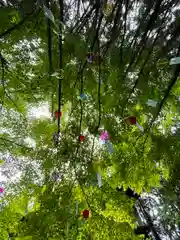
x=35, y=112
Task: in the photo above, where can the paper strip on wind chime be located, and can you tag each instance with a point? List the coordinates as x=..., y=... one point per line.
x=26, y=210
x=132, y=121
x=48, y=13
x=174, y=61
x=151, y=103
x=109, y=146
x=99, y=180
x=76, y=207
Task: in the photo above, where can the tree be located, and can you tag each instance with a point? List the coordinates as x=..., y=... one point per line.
x=116, y=55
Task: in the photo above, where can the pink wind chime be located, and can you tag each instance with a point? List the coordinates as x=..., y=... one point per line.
x=104, y=137
x=1, y=190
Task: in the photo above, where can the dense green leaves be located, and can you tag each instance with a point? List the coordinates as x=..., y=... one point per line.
x=44, y=181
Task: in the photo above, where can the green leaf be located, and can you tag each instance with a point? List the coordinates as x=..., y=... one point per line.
x=2, y=162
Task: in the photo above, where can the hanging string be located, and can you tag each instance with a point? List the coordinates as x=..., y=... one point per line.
x=81, y=104
x=49, y=39
x=99, y=82
x=82, y=84
x=60, y=62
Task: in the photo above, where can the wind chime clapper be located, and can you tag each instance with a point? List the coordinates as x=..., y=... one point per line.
x=131, y=120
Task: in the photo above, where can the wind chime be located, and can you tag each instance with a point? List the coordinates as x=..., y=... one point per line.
x=85, y=214
x=1, y=190
x=93, y=58
x=84, y=97
x=81, y=138
x=105, y=139
x=133, y=121
x=57, y=114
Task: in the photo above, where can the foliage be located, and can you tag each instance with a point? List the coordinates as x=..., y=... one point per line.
x=135, y=43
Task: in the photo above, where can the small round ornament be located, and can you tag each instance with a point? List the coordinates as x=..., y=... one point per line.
x=81, y=138
x=132, y=121
x=83, y=97
x=58, y=114
x=55, y=138
x=86, y=214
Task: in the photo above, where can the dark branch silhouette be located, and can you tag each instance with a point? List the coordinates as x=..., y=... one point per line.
x=16, y=26
x=129, y=193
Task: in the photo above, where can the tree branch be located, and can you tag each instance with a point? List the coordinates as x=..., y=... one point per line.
x=16, y=26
